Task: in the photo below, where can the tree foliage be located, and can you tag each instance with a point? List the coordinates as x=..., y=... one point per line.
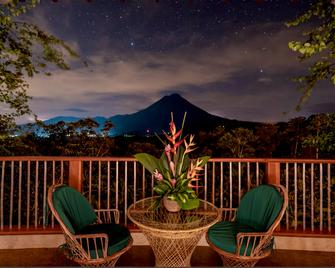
x=321, y=134
x=319, y=46
x=25, y=51
x=238, y=141
x=312, y=137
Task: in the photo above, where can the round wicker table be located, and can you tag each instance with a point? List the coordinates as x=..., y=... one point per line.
x=173, y=236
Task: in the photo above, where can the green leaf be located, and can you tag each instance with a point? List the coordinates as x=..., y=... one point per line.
x=190, y=204
x=159, y=190
x=182, y=198
x=186, y=163
x=204, y=160
x=162, y=188
x=167, y=175
x=333, y=79
x=167, y=183
x=150, y=162
x=163, y=162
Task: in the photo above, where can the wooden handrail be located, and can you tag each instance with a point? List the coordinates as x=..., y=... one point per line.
x=225, y=180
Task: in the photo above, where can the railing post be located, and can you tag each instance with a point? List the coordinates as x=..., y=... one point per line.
x=272, y=172
x=272, y=176
x=75, y=174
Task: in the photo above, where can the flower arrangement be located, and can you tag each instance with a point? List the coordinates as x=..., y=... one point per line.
x=175, y=172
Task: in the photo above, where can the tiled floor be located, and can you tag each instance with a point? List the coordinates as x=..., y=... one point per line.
x=143, y=256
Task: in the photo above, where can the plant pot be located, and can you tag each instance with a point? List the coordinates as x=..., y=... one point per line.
x=170, y=205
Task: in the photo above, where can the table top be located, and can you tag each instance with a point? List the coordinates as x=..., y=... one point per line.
x=148, y=213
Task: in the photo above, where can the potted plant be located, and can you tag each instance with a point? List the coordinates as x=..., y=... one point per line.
x=174, y=171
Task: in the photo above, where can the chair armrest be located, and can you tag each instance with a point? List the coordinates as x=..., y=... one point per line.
x=96, y=240
x=258, y=240
x=106, y=215
x=228, y=214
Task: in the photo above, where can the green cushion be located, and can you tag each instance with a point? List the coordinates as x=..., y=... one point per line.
x=223, y=235
x=73, y=208
x=118, y=238
x=259, y=207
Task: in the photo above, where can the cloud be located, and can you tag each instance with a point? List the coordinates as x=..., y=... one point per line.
x=325, y=107
x=182, y=66
x=41, y=17
x=265, y=80
x=222, y=78
x=77, y=110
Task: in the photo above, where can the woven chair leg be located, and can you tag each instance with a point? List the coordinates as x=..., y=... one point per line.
x=234, y=262
x=110, y=262
x=85, y=263
x=105, y=263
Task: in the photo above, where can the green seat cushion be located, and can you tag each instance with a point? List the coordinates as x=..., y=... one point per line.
x=259, y=208
x=223, y=235
x=118, y=238
x=73, y=208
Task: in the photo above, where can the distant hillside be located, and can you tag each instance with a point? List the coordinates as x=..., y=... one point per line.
x=66, y=119
x=157, y=116
x=69, y=119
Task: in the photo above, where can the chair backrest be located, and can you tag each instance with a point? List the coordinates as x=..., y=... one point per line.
x=260, y=207
x=72, y=209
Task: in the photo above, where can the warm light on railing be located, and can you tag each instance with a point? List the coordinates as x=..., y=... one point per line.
x=117, y=182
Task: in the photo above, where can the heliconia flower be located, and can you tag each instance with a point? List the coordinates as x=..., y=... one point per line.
x=173, y=182
x=190, y=182
x=158, y=176
x=194, y=169
x=175, y=146
x=191, y=140
x=170, y=139
x=193, y=186
x=173, y=137
x=198, y=163
x=188, y=146
x=176, y=135
x=172, y=128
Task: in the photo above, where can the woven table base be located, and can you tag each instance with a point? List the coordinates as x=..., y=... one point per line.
x=173, y=236
x=175, y=249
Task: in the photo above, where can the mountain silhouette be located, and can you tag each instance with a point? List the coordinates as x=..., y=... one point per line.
x=156, y=118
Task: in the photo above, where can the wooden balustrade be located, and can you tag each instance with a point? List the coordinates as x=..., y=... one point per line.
x=116, y=182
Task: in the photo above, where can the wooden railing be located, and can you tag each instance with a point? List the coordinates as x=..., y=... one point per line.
x=117, y=182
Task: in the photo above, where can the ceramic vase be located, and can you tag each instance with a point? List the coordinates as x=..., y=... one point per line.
x=170, y=205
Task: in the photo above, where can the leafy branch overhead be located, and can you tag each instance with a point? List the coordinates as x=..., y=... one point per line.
x=25, y=50
x=318, y=46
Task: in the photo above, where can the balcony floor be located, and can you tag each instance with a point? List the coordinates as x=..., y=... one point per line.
x=143, y=256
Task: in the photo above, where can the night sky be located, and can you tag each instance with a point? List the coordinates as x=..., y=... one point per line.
x=228, y=57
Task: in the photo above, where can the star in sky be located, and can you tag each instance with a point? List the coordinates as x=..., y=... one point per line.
x=212, y=52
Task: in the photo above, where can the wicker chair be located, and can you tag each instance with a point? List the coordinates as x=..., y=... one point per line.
x=246, y=234
x=93, y=238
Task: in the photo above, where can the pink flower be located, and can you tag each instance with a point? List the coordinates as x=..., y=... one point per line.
x=173, y=182
x=168, y=152
x=172, y=167
x=158, y=176
x=168, y=148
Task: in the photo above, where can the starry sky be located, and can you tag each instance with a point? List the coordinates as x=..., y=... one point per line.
x=227, y=57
